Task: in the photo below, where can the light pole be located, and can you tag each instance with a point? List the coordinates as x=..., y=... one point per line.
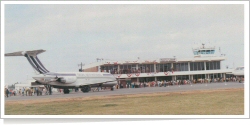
x=99, y=59
x=80, y=70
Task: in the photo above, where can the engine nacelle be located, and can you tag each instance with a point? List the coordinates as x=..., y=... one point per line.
x=67, y=79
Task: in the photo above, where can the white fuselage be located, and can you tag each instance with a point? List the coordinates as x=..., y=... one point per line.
x=76, y=79
x=239, y=71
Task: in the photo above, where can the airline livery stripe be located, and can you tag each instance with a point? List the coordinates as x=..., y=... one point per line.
x=57, y=74
x=32, y=64
x=41, y=64
x=39, y=68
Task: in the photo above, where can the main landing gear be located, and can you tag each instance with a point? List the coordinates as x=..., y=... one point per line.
x=49, y=90
x=66, y=91
x=85, y=89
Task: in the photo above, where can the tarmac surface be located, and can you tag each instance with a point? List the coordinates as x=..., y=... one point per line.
x=125, y=91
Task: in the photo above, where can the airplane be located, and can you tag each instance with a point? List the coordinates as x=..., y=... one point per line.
x=239, y=73
x=65, y=80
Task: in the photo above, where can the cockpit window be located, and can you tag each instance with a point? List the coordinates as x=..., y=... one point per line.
x=240, y=68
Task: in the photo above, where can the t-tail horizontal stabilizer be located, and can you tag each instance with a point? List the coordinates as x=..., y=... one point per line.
x=32, y=58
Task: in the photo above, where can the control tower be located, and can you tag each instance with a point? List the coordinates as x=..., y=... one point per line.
x=204, y=51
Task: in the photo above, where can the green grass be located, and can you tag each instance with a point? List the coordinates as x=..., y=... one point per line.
x=197, y=103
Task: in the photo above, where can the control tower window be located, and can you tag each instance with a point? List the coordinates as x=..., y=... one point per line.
x=199, y=52
x=208, y=52
x=195, y=53
x=212, y=51
x=203, y=51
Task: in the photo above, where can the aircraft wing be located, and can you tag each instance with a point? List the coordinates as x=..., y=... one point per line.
x=35, y=83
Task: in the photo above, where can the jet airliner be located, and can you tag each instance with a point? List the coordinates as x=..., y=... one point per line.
x=65, y=80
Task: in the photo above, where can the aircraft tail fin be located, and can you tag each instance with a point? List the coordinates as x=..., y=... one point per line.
x=32, y=59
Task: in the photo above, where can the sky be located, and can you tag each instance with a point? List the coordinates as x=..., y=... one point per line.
x=72, y=34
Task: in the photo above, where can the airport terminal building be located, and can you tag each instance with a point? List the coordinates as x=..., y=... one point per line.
x=204, y=65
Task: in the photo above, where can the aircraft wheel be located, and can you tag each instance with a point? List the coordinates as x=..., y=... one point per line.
x=66, y=91
x=86, y=89
x=112, y=89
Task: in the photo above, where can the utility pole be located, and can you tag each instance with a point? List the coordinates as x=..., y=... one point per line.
x=99, y=59
x=80, y=70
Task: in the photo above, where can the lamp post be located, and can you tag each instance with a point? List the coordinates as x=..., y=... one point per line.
x=80, y=70
x=99, y=59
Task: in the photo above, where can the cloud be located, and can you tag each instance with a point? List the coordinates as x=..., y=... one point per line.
x=55, y=21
